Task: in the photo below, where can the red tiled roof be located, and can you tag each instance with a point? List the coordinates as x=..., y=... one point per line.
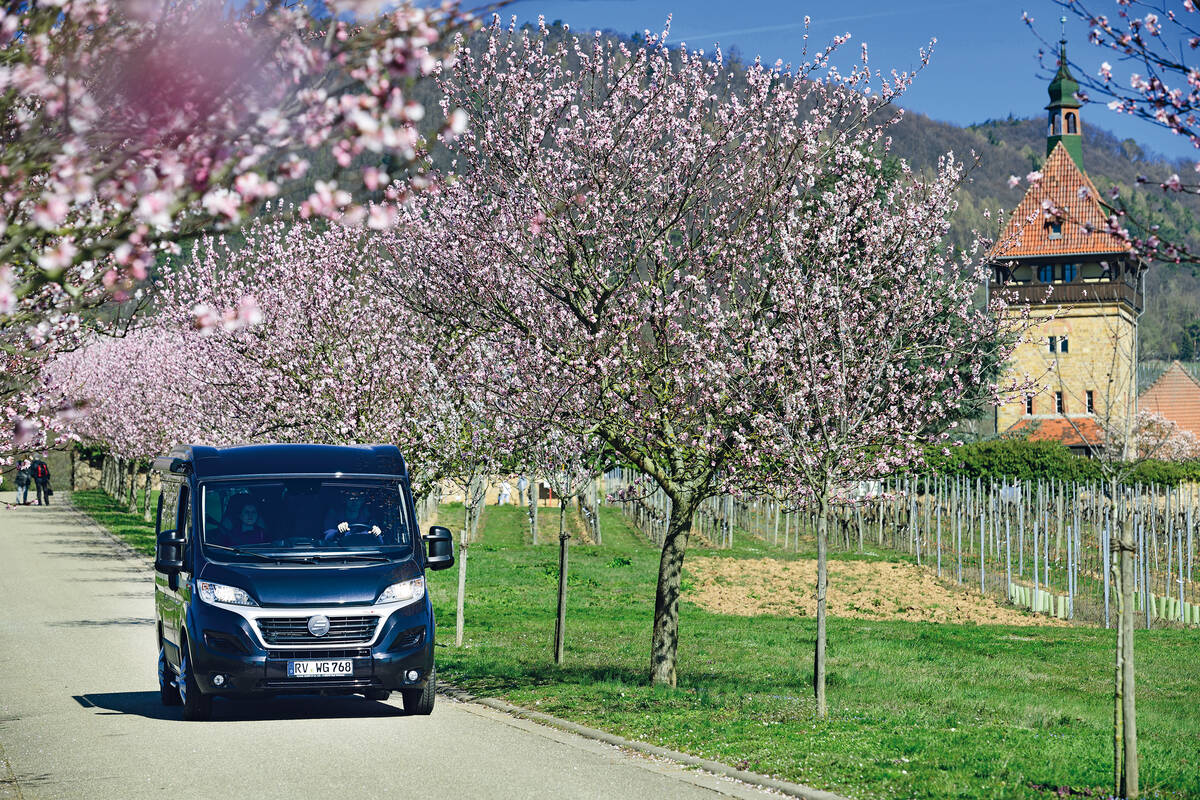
x=1028, y=233
x=1070, y=431
x=1176, y=396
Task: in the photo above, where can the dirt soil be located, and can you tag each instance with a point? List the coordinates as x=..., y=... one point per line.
x=857, y=589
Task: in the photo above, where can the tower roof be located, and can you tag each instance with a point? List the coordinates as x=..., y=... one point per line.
x=1064, y=86
x=1071, y=192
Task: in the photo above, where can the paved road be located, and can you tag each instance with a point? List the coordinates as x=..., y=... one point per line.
x=80, y=716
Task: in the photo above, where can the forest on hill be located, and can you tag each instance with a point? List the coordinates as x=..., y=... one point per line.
x=1171, y=322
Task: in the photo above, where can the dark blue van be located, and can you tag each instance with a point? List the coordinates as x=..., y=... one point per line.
x=292, y=569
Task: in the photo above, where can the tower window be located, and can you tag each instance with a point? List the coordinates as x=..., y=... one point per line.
x=1091, y=402
x=1029, y=405
x=1055, y=230
x=1053, y=344
x=1053, y=124
x=1046, y=273
x=1059, y=406
x=1070, y=272
x=1062, y=344
x=1071, y=124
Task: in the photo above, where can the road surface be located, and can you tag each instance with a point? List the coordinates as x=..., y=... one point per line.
x=80, y=715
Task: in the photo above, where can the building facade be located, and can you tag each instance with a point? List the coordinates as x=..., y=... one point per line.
x=1083, y=288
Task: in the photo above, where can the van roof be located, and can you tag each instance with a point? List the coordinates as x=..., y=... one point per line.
x=284, y=459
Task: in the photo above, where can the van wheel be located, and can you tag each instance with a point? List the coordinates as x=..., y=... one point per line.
x=197, y=706
x=419, y=702
x=168, y=692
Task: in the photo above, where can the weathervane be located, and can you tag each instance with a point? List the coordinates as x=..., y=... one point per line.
x=1063, y=21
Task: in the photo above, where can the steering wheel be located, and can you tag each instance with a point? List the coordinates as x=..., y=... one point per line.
x=356, y=527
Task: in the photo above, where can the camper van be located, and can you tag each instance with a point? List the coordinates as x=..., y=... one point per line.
x=292, y=569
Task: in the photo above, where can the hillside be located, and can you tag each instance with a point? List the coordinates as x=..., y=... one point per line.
x=1016, y=146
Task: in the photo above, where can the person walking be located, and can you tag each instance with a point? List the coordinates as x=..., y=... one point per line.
x=504, y=496
x=41, y=479
x=22, y=479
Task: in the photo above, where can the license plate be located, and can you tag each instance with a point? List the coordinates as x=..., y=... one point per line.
x=339, y=668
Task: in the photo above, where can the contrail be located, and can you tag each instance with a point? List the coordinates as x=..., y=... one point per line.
x=823, y=21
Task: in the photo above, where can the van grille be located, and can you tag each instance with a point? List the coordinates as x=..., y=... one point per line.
x=292, y=655
x=294, y=630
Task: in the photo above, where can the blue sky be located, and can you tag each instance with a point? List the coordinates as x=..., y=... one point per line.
x=984, y=64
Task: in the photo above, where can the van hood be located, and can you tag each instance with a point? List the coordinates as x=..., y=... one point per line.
x=292, y=585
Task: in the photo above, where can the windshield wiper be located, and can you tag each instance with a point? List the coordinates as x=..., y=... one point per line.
x=241, y=551
x=353, y=557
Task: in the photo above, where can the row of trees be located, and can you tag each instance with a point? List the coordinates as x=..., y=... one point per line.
x=721, y=285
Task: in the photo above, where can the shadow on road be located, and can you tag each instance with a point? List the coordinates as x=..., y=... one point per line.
x=148, y=705
x=101, y=623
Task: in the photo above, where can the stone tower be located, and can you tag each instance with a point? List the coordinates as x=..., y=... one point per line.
x=1082, y=286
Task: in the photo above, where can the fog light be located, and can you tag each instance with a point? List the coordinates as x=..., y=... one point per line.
x=218, y=680
x=412, y=675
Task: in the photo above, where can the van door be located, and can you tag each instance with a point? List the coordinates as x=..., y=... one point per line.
x=165, y=598
x=183, y=588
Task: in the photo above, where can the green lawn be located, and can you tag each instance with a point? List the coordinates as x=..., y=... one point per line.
x=916, y=709
x=111, y=514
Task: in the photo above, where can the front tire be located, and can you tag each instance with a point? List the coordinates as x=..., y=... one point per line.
x=419, y=702
x=197, y=706
x=168, y=692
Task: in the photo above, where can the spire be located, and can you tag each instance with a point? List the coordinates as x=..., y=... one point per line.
x=1064, y=123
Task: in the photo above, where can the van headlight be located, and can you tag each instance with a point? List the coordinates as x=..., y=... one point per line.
x=220, y=593
x=403, y=592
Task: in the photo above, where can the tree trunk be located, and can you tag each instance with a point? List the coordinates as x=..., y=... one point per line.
x=132, y=506
x=146, y=495
x=560, y=620
x=74, y=460
x=462, y=588
x=1118, y=682
x=1129, y=772
x=533, y=508
x=665, y=640
x=822, y=586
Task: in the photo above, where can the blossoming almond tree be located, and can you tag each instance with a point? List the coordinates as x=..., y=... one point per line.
x=886, y=348
x=619, y=235
x=129, y=127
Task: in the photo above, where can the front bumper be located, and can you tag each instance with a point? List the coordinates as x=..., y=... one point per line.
x=225, y=643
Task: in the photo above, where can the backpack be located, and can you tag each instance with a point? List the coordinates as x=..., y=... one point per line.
x=40, y=470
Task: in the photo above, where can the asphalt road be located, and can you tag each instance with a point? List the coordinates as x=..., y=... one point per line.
x=80, y=715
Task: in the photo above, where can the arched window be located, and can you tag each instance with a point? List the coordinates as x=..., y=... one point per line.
x=1071, y=125
x=1054, y=124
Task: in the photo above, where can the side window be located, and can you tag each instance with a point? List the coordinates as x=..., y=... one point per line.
x=183, y=520
x=168, y=497
x=158, y=515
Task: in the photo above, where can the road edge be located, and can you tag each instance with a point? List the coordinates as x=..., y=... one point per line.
x=714, y=767
x=454, y=693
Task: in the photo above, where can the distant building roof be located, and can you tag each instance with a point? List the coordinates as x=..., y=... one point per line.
x=1070, y=431
x=1176, y=396
x=1028, y=232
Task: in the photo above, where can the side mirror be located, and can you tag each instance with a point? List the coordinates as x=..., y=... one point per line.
x=168, y=557
x=439, y=548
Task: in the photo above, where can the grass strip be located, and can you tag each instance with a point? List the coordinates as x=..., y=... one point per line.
x=111, y=514
x=916, y=709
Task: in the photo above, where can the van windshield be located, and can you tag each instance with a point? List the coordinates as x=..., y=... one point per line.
x=294, y=515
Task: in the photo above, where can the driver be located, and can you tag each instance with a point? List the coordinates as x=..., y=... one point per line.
x=354, y=513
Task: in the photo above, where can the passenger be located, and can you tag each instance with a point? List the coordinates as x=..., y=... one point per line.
x=355, y=512
x=241, y=523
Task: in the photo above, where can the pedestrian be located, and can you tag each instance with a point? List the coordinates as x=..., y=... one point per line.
x=523, y=490
x=505, y=495
x=41, y=479
x=22, y=479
